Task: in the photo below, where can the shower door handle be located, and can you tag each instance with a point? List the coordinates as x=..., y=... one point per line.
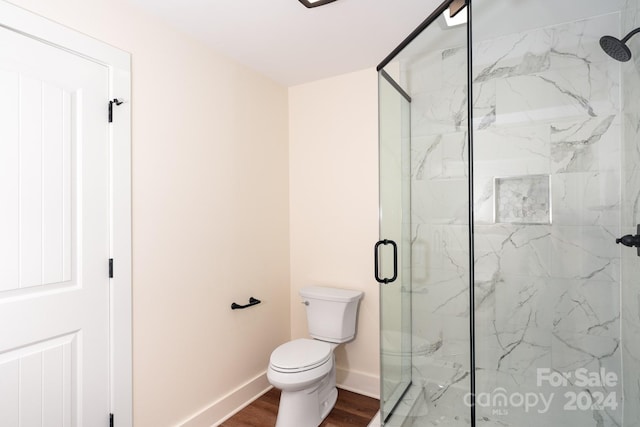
x=376, y=261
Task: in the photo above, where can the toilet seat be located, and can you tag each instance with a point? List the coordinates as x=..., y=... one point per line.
x=300, y=355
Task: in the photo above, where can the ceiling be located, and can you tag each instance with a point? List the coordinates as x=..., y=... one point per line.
x=291, y=44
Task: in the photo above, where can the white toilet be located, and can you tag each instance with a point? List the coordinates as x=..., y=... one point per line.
x=304, y=369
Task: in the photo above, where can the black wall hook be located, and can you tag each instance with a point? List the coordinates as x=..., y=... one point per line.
x=113, y=101
x=252, y=302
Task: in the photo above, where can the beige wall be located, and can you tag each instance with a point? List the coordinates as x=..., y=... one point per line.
x=210, y=211
x=333, y=173
x=219, y=199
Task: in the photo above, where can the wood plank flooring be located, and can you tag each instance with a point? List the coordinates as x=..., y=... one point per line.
x=351, y=410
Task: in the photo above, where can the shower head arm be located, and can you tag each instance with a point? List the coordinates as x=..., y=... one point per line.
x=631, y=34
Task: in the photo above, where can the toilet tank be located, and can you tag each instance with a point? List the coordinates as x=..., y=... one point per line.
x=331, y=312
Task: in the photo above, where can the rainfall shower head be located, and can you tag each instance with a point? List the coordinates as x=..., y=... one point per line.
x=617, y=49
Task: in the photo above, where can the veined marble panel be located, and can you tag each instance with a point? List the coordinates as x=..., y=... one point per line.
x=587, y=145
x=563, y=94
x=512, y=55
x=631, y=177
x=484, y=203
x=439, y=112
x=630, y=292
x=493, y=412
x=440, y=202
x=589, y=418
x=442, y=406
x=508, y=151
x=512, y=250
x=518, y=350
x=425, y=73
x=437, y=329
x=554, y=405
x=585, y=307
x=580, y=40
x=439, y=156
x=523, y=302
x=586, y=351
x=596, y=85
x=631, y=330
x=454, y=66
x=484, y=105
x=448, y=364
x=588, y=198
x=585, y=253
x=631, y=322
x=631, y=16
x=438, y=248
x=448, y=297
x=631, y=387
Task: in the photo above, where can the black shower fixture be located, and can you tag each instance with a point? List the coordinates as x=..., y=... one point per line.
x=315, y=3
x=618, y=49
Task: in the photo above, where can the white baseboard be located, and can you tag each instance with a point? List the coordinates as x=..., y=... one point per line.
x=376, y=421
x=227, y=406
x=358, y=382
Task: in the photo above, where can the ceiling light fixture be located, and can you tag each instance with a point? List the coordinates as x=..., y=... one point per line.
x=315, y=3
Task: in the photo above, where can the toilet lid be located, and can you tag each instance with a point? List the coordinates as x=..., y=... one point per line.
x=300, y=355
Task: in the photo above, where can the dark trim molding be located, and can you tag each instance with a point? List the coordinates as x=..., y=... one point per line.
x=395, y=85
x=316, y=3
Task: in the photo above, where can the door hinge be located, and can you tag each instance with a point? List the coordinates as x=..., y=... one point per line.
x=110, y=420
x=113, y=101
x=110, y=268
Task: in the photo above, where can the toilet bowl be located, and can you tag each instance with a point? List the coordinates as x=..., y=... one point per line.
x=304, y=369
x=300, y=363
x=306, y=384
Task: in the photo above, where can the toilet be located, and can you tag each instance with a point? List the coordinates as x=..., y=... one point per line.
x=304, y=369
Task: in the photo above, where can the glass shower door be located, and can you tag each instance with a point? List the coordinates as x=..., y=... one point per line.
x=424, y=203
x=393, y=251
x=555, y=161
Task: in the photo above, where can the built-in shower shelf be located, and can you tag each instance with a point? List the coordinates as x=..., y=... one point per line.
x=522, y=199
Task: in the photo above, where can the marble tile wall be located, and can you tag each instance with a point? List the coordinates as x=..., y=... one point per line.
x=547, y=112
x=631, y=217
x=440, y=237
x=440, y=234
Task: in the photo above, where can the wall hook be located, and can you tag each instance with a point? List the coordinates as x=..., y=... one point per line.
x=113, y=101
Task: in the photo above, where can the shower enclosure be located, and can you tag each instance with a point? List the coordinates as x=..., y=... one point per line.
x=509, y=170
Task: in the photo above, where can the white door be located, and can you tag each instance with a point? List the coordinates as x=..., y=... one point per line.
x=54, y=236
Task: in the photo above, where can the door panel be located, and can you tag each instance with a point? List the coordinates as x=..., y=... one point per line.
x=10, y=182
x=42, y=215
x=54, y=223
x=395, y=296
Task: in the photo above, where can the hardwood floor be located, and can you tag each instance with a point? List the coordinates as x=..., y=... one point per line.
x=351, y=410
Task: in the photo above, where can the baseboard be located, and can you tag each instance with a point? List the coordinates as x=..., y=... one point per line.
x=358, y=382
x=227, y=406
